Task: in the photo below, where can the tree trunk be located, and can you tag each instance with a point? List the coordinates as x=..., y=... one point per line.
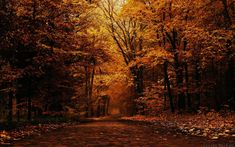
x=34, y=44
x=214, y=75
x=29, y=99
x=107, y=105
x=189, y=103
x=179, y=81
x=10, y=102
x=164, y=105
x=18, y=109
x=167, y=82
x=198, y=81
x=229, y=74
x=90, y=109
x=98, y=108
x=137, y=73
x=139, y=81
x=87, y=91
x=178, y=68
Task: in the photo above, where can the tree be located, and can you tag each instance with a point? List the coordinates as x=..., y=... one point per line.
x=8, y=73
x=127, y=34
x=39, y=36
x=193, y=45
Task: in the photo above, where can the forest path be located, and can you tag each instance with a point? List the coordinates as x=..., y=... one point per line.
x=115, y=133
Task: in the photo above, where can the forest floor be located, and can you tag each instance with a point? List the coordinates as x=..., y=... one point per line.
x=104, y=132
x=27, y=130
x=211, y=125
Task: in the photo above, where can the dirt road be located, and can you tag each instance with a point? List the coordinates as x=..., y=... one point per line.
x=117, y=134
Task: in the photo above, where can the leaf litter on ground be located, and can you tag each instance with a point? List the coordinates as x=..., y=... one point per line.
x=211, y=125
x=6, y=137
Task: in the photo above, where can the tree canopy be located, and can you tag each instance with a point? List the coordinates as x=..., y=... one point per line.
x=142, y=56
